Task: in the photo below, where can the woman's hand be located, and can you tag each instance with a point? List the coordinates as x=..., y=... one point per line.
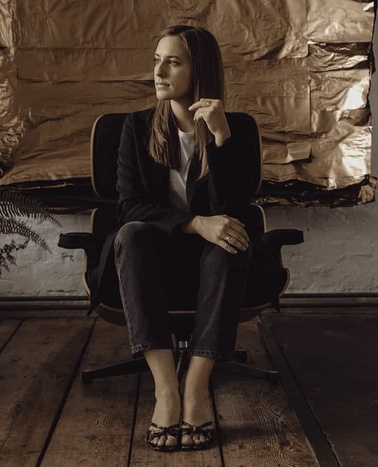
x=212, y=112
x=222, y=230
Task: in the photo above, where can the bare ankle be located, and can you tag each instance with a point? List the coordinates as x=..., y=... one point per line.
x=194, y=390
x=166, y=391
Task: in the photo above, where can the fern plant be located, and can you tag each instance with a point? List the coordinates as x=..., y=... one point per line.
x=13, y=206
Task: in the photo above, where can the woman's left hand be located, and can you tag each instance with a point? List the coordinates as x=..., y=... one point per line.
x=212, y=112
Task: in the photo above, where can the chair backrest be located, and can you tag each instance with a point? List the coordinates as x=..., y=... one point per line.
x=265, y=279
x=106, y=133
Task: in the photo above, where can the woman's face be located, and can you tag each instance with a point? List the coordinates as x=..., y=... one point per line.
x=173, y=70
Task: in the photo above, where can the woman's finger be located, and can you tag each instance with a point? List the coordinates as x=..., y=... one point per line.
x=237, y=241
x=203, y=102
x=197, y=105
x=240, y=234
x=237, y=221
x=234, y=219
x=226, y=246
x=237, y=229
x=200, y=113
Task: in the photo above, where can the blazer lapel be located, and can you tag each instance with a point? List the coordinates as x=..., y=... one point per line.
x=194, y=171
x=159, y=174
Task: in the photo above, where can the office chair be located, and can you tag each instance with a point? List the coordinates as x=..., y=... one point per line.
x=267, y=278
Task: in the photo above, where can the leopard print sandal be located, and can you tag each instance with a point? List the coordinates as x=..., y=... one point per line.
x=189, y=429
x=173, y=430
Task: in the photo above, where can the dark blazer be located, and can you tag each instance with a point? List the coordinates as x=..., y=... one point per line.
x=143, y=184
x=234, y=173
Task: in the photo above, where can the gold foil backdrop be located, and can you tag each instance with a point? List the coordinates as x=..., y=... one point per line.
x=302, y=68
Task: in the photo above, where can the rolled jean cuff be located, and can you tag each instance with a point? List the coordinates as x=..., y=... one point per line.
x=137, y=350
x=219, y=355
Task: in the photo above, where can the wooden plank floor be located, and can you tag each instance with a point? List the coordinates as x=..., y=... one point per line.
x=335, y=362
x=50, y=419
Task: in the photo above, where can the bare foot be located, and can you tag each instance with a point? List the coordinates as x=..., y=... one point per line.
x=196, y=411
x=166, y=413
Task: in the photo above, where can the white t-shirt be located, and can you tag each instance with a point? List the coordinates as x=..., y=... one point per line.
x=177, y=178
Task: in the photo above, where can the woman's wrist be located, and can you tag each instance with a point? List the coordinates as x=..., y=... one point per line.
x=191, y=226
x=221, y=138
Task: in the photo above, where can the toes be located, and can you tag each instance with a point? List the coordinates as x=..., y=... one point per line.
x=162, y=440
x=199, y=439
x=196, y=438
x=171, y=441
x=187, y=440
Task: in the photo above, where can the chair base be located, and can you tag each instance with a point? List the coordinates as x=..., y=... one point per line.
x=129, y=367
x=138, y=365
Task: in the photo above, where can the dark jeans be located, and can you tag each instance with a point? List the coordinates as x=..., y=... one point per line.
x=158, y=273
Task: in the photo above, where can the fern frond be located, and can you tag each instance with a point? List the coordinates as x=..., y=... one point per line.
x=6, y=257
x=13, y=226
x=14, y=204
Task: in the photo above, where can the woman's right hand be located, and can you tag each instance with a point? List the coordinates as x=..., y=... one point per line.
x=225, y=231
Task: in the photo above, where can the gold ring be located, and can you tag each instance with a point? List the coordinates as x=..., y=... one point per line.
x=208, y=104
x=228, y=240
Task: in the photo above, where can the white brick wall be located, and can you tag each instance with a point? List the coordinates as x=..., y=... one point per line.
x=340, y=254
x=40, y=273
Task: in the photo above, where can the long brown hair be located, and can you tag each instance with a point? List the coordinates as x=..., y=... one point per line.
x=208, y=81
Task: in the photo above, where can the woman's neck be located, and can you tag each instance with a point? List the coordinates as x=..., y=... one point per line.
x=183, y=117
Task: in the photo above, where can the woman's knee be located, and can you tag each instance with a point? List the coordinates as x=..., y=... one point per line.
x=134, y=233
x=217, y=258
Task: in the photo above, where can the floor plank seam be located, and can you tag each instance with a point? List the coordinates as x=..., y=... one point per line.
x=261, y=325
x=322, y=412
x=11, y=336
x=130, y=453
x=216, y=423
x=64, y=398
x=301, y=400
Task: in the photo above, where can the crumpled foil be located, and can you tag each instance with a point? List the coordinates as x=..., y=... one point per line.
x=301, y=68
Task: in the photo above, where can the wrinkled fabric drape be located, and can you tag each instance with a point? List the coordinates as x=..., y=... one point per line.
x=302, y=68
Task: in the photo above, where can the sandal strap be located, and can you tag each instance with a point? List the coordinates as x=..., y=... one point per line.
x=200, y=429
x=172, y=430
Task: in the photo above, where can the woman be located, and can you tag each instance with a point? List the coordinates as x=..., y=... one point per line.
x=185, y=173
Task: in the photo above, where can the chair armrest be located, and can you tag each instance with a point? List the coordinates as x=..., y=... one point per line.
x=267, y=276
x=279, y=237
x=76, y=240
x=275, y=239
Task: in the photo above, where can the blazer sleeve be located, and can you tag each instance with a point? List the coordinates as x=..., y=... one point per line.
x=134, y=203
x=235, y=168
